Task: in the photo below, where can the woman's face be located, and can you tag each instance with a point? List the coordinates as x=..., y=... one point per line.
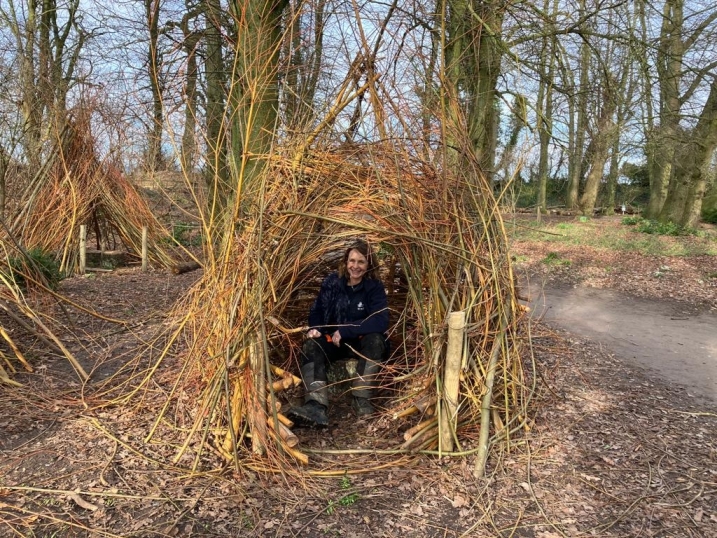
x=356, y=266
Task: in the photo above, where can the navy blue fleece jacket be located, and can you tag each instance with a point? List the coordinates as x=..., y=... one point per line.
x=353, y=310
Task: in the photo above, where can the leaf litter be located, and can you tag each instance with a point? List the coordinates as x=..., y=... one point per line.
x=611, y=452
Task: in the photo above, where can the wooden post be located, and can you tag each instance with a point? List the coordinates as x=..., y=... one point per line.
x=258, y=411
x=83, y=248
x=451, y=380
x=537, y=215
x=144, y=248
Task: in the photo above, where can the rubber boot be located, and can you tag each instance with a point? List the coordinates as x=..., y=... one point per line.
x=314, y=411
x=363, y=388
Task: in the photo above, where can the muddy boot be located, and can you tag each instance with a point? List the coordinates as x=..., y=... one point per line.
x=315, y=411
x=363, y=388
x=362, y=406
x=312, y=413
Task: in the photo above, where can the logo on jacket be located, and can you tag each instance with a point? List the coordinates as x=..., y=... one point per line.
x=360, y=306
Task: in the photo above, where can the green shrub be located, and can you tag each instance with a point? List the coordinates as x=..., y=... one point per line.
x=654, y=227
x=710, y=215
x=186, y=234
x=661, y=228
x=553, y=258
x=35, y=265
x=632, y=221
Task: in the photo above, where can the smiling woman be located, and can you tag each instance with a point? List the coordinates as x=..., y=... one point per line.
x=349, y=318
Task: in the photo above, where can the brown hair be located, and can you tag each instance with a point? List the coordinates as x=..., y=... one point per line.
x=365, y=249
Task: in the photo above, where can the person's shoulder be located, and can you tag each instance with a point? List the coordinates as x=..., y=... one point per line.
x=374, y=284
x=332, y=278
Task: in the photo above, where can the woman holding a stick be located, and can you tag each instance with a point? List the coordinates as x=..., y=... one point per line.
x=348, y=319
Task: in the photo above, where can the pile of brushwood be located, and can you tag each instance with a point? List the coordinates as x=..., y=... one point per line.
x=457, y=381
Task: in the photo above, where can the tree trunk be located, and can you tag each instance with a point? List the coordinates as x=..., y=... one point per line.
x=575, y=158
x=305, y=58
x=473, y=55
x=662, y=140
x=217, y=176
x=189, y=141
x=544, y=112
x=691, y=168
x=612, y=176
x=600, y=145
x=254, y=94
x=153, y=160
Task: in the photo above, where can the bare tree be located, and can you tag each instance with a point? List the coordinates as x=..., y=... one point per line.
x=190, y=43
x=303, y=54
x=676, y=41
x=154, y=159
x=690, y=170
x=48, y=41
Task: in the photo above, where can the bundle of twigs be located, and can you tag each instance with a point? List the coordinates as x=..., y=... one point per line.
x=445, y=235
x=74, y=188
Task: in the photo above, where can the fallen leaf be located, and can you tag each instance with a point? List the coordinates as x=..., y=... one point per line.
x=459, y=501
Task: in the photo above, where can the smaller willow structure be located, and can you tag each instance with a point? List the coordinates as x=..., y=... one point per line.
x=240, y=328
x=71, y=189
x=74, y=188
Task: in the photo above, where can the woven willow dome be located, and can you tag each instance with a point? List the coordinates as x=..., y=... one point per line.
x=240, y=328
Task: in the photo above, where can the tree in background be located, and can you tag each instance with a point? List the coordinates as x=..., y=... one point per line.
x=690, y=167
x=303, y=56
x=155, y=159
x=472, y=57
x=47, y=42
x=682, y=66
x=190, y=43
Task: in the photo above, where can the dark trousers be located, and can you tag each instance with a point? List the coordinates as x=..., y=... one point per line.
x=369, y=350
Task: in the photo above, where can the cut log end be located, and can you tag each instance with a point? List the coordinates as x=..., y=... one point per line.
x=185, y=267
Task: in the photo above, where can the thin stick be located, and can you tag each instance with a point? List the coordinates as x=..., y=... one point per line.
x=15, y=349
x=144, y=248
x=482, y=456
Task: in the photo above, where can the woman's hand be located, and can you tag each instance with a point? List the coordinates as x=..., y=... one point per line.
x=313, y=333
x=336, y=338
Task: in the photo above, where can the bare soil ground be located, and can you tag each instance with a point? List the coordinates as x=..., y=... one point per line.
x=613, y=451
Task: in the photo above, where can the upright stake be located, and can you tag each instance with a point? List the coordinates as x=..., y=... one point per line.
x=451, y=379
x=258, y=420
x=83, y=248
x=144, y=248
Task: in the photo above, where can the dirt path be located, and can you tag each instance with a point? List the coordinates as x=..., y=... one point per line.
x=668, y=339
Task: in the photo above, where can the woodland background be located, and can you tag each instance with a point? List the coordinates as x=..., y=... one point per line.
x=587, y=104
x=251, y=139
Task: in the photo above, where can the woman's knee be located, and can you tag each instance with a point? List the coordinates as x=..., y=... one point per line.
x=311, y=351
x=373, y=346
